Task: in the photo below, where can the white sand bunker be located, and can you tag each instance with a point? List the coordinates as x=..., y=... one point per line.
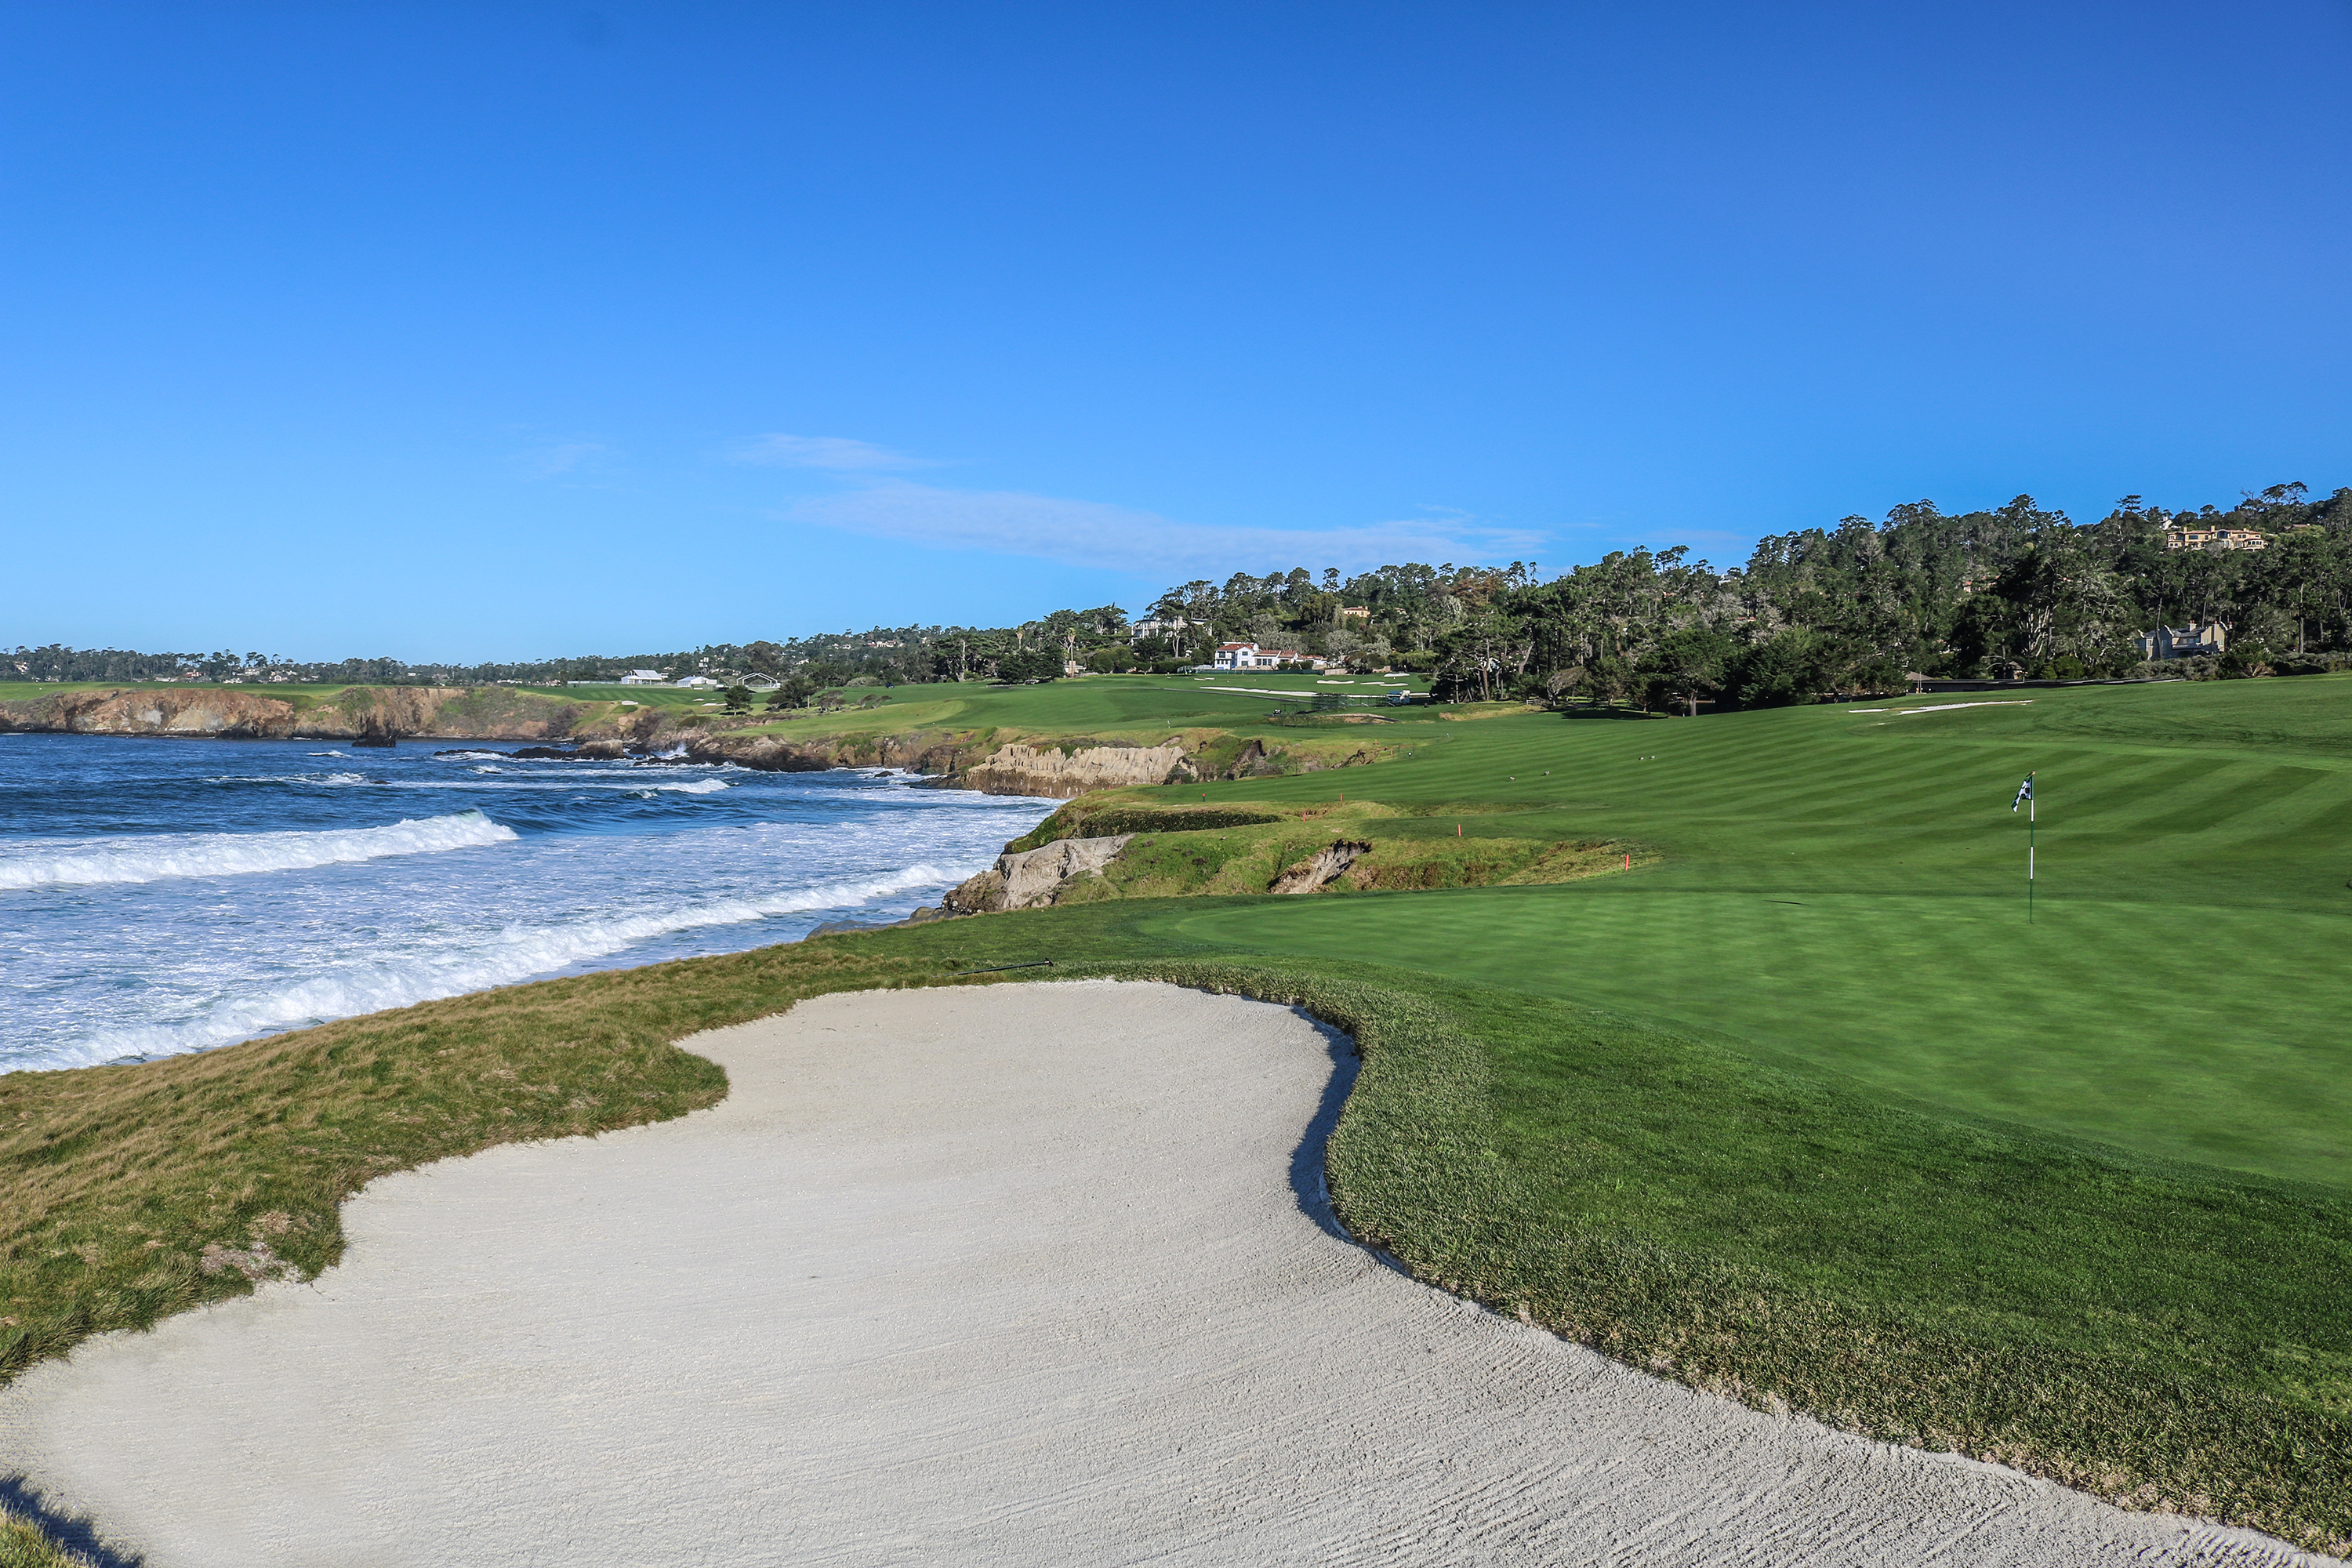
x=1012, y=1274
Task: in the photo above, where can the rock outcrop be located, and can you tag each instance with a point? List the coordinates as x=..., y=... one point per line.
x=196, y=710
x=1027, y=879
x=226, y=713
x=922, y=753
x=1320, y=869
x=958, y=759
x=1019, y=769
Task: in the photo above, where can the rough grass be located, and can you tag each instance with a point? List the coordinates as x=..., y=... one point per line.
x=23, y=1544
x=1185, y=851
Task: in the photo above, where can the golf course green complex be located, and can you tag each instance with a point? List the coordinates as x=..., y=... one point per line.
x=1723, y=1045
x=1843, y=889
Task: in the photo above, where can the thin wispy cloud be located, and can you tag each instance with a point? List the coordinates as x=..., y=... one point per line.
x=556, y=458
x=1091, y=533
x=836, y=454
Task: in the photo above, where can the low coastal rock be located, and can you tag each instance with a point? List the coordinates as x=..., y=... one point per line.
x=1028, y=878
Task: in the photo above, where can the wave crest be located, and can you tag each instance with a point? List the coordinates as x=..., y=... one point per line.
x=481, y=961
x=152, y=858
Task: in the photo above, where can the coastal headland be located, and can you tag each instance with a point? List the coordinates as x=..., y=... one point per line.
x=1790, y=1105
x=1054, y=753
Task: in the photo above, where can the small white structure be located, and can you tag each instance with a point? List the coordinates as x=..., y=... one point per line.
x=703, y=683
x=1250, y=656
x=2184, y=642
x=645, y=677
x=1156, y=628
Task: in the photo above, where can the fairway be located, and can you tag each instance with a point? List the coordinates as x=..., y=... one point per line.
x=1845, y=891
x=1136, y=704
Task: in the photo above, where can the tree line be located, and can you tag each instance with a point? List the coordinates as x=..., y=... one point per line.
x=1822, y=613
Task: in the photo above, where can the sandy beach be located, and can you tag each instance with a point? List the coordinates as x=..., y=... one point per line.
x=1020, y=1274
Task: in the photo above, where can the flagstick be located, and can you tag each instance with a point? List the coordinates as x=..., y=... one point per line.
x=2030, y=805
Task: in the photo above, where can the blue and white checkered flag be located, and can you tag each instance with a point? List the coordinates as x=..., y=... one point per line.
x=2024, y=793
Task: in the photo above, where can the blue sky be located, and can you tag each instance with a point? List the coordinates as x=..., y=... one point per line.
x=491, y=331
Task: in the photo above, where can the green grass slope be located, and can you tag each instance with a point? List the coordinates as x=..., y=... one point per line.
x=1844, y=892
x=1108, y=704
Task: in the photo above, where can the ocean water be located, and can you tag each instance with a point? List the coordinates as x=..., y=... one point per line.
x=165, y=896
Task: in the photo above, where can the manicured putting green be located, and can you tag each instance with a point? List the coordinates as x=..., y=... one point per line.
x=1845, y=891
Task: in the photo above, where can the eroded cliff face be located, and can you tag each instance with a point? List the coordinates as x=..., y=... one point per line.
x=1019, y=769
x=425, y=711
x=1030, y=878
x=959, y=759
x=921, y=752
x=198, y=711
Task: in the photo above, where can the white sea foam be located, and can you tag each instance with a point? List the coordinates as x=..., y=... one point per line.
x=634, y=787
x=150, y=857
x=361, y=780
x=292, y=778
x=476, y=960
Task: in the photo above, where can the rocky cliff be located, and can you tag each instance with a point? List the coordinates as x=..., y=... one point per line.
x=1019, y=769
x=427, y=711
x=967, y=758
x=1015, y=767
x=1027, y=879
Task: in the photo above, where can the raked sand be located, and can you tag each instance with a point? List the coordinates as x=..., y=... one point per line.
x=1020, y=1274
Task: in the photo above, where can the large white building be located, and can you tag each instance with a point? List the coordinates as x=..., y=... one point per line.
x=1250, y=656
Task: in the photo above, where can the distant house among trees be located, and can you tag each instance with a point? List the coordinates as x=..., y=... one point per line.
x=645, y=677
x=1250, y=656
x=2215, y=538
x=2184, y=642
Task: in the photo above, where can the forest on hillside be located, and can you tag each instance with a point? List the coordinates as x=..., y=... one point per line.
x=1816, y=614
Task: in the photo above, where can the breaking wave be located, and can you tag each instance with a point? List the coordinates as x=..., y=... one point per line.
x=152, y=858
x=475, y=961
x=358, y=781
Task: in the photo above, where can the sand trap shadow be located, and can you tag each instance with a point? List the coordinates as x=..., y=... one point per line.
x=76, y=1532
x=1308, y=1182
